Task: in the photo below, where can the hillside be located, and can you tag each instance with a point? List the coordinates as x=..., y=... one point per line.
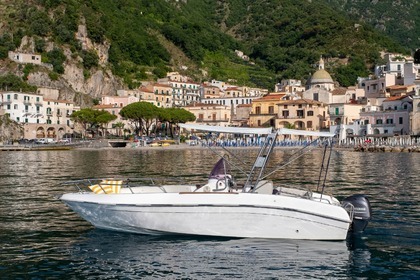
x=398, y=19
x=98, y=46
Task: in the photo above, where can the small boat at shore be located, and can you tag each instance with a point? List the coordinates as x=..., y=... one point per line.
x=223, y=206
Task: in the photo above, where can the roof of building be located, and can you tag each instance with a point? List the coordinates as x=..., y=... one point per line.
x=339, y=91
x=244, y=106
x=195, y=105
x=300, y=101
x=395, y=98
x=148, y=88
x=270, y=96
x=321, y=76
x=105, y=106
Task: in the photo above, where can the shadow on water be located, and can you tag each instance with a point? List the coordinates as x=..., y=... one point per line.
x=206, y=257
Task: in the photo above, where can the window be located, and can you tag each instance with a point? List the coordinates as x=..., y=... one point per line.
x=310, y=113
x=16, y=96
x=316, y=97
x=285, y=114
x=8, y=106
x=366, y=121
x=379, y=121
x=285, y=106
x=258, y=110
x=300, y=113
x=15, y=106
x=389, y=121
x=309, y=124
x=259, y=122
x=400, y=120
x=271, y=109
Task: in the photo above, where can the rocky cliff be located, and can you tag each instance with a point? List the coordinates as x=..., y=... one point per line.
x=75, y=84
x=9, y=130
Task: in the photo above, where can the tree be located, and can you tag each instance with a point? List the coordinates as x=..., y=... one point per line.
x=92, y=120
x=103, y=118
x=179, y=115
x=141, y=114
x=84, y=117
x=119, y=126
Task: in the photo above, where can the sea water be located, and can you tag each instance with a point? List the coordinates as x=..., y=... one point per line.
x=40, y=238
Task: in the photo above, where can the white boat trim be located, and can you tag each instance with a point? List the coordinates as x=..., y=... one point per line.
x=228, y=129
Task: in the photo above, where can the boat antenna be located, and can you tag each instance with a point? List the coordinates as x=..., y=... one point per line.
x=330, y=144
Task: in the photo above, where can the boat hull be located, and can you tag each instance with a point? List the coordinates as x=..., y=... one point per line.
x=240, y=215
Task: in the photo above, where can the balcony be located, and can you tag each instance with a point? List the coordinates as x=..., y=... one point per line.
x=39, y=103
x=263, y=114
x=27, y=103
x=336, y=114
x=383, y=125
x=7, y=102
x=291, y=117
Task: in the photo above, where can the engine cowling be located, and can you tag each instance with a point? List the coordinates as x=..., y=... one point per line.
x=358, y=207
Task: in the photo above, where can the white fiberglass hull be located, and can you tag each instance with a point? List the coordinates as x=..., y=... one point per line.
x=213, y=214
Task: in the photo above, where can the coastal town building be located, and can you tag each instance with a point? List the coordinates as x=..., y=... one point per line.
x=184, y=93
x=41, y=117
x=210, y=114
x=163, y=95
x=415, y=115
x=272, y=110
x=289, y=86
x=25, y=58
x=264, y=110
x=147, y=94
x=344, y=113
x=321, y=79
x=241, y=117
x=302, y=114
x=387, y=118
x=24, y=107
x=211, y=92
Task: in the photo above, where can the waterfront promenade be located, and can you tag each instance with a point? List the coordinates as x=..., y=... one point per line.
x=393, y=144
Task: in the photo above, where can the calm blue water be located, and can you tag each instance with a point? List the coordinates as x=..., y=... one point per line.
x=40, y=238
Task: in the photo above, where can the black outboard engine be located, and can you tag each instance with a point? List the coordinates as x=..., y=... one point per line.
x=360, y=206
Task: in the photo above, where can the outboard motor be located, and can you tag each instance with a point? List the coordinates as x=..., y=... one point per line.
x=360, y=206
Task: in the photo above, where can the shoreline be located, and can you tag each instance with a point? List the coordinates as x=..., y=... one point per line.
x=376, y=149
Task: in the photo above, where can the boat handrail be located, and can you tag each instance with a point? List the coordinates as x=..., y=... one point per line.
x=83, y=184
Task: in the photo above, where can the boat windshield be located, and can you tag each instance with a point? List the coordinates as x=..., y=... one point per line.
x=220, y=169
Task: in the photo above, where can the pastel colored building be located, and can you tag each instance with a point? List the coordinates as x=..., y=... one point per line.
x=210, y=114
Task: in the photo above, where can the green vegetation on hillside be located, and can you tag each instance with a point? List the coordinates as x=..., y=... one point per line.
x=398, y=19
x=283, y=38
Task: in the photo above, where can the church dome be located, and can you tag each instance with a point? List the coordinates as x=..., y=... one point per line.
x=321, y=77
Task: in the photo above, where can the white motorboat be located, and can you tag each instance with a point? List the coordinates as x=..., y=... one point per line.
x=255, y=208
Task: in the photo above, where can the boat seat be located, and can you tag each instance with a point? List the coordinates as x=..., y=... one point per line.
x=264, y=187
x=107, y=187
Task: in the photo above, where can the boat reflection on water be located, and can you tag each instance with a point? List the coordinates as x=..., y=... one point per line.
x=132, y=255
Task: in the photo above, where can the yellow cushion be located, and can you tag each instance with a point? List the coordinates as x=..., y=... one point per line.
x=107, y=187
